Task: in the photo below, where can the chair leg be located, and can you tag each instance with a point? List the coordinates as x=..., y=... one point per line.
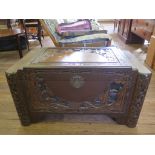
x=26, y=36
x=28, y=45
x=27, y=41
x=19, y=46
x=39, y=33
x=116, y=25
x=39, y=38
x=42, y=33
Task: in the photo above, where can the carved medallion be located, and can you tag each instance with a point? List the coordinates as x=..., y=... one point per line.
x=77, y=81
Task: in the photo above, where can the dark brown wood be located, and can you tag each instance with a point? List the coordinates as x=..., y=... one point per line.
x=76, y=98
x=124, y=31
x=19, y=47
x=17, y=33
x=19, y=100
x=6, y=22
x=143, y=28
x=33, y=23
x=138, y=99
x=136, y=30
x=81, y=81
x=11, y=32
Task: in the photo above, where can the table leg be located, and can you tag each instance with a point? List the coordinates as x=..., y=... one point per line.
x=19, y=46
x=27, y=42
x=39, y=32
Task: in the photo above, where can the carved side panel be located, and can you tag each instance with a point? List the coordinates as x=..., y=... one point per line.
x=18, y=98
x=138, y=99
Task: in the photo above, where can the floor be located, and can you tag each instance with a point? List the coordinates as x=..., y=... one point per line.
x=74, y=124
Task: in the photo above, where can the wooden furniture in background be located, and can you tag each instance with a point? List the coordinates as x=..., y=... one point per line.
x=79, y=81
x=116, y=24
x=16, y=34
x=124, y=31
x=143, y=28
x=5, y=23
x=33, y=29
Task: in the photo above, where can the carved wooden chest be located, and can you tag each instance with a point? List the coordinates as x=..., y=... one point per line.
x=79, y=80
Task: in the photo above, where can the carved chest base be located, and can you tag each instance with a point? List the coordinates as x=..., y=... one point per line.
x=78, y=81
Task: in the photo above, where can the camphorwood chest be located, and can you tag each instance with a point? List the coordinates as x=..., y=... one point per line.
x=79, y=80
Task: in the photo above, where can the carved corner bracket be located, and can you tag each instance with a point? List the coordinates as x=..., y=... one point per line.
x=138, y=99
x=18, y=101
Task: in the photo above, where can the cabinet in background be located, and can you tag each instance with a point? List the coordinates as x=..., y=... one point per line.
x=124, y=31
x=143, y=28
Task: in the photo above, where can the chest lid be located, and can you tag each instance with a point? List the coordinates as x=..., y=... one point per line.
x=83, y=57
x=108, y=57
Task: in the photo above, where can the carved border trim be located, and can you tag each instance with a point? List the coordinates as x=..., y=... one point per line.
x=19, y=104
x=138, y=99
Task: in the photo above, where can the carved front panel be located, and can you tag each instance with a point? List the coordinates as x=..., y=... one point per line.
x=78, y=90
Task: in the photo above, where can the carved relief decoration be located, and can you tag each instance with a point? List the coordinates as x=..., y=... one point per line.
x=116, y=94
x=138, y=99
x=20, y=105
x=107, y=54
